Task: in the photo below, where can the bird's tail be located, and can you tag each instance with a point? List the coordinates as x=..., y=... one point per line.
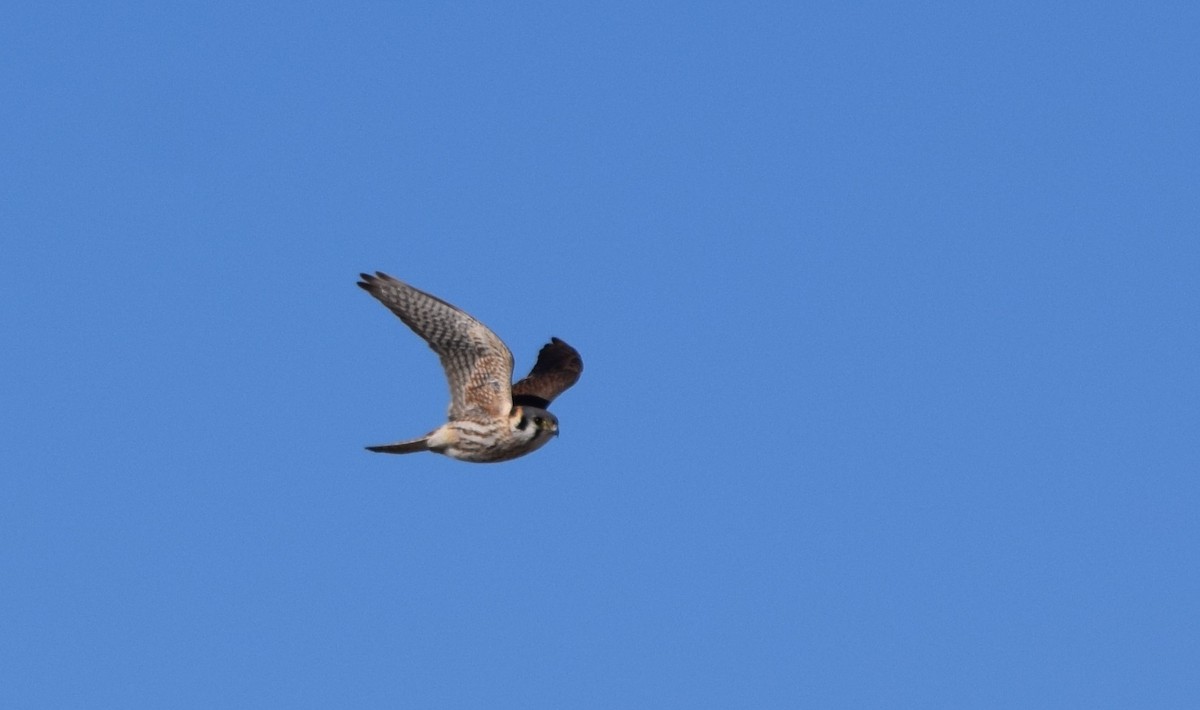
x=402, y=447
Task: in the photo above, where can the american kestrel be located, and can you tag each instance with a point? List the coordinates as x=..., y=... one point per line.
x=490, y=418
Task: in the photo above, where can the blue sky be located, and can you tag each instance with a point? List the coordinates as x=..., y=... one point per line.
x=889, y=315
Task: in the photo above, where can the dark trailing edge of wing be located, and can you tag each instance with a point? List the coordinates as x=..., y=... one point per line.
x=529, y=400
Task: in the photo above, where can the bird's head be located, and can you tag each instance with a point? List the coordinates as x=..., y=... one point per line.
x=534, y=422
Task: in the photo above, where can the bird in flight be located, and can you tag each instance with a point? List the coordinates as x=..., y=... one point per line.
x=490, y=418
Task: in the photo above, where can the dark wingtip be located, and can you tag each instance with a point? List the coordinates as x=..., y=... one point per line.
x=565, y=352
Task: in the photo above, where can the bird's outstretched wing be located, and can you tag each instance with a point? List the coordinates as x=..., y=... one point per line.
x=478, y=365
x=558, y=367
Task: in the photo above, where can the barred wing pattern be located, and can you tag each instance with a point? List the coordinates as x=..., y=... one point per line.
x=477, y=363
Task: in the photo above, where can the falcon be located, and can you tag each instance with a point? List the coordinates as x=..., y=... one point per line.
x=490, y=418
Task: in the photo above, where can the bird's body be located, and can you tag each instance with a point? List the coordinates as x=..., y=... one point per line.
x=490, y=419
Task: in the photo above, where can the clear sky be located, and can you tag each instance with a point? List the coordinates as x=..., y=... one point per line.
x=889, y=314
